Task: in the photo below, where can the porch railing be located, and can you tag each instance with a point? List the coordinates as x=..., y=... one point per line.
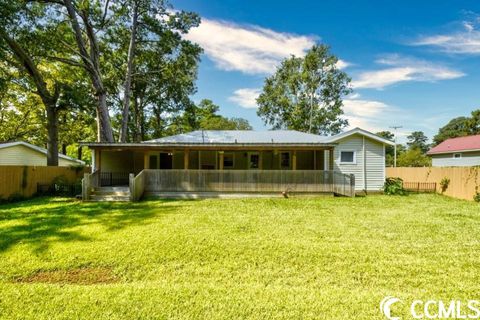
x=268, y=181
x=111, y=179
x=90, y=181
x=137, y=186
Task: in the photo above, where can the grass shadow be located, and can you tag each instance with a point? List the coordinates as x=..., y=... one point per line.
x=43, y=221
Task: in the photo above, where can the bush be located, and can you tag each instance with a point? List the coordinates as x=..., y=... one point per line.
x=476, y=197
x=394, y=186
x=444, y=184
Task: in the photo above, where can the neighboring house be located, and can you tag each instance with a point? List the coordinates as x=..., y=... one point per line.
x=25, y=154
x=252, y=161
x=456, y=152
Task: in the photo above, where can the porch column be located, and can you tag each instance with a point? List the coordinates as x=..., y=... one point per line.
x=330, y=159
x=186, y=154
x=98, y=159
x=294, y=160
x=314, y=159
x=220, y=165
x=199, y=159
x=145, y=160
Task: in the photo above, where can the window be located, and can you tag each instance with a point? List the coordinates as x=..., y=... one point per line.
x=228, y=161
x=254, y=161
x=285, y=160
x=457, y=155
x=347, y=157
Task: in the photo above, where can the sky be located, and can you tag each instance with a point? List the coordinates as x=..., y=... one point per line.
x=414, y=64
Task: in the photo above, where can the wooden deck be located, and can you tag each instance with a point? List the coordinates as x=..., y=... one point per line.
x=153, y=181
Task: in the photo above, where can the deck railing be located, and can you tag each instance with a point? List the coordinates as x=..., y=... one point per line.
x=245, y=181
x=89, y=181
x=137, y=186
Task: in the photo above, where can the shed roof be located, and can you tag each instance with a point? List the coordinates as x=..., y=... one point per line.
x=468, y=143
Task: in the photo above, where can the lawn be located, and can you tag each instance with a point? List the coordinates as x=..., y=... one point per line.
x=297, y=258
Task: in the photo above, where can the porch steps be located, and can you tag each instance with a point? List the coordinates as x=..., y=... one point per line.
x=110, y=194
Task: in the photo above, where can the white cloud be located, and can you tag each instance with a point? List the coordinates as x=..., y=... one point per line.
x=465, y=41
x=401, y=69
x=249, y=49
x=245, y=97
x=371, y=115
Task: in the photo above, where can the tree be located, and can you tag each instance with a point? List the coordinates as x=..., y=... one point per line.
x=418, y=140
x=413, y=157
x=205, y=117
x=306, y=94
x=23, y=47
x=457, y=127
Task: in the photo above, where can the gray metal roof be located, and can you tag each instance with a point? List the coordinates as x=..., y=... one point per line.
x=242, y=136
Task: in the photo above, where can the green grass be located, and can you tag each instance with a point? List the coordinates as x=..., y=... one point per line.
x=323, y=258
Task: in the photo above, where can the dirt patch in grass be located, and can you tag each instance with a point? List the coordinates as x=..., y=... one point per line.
x=82, y=276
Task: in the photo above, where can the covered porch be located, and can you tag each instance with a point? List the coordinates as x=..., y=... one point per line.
x=116, y=164
x=230, y=169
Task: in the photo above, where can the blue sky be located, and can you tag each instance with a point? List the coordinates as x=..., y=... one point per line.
x=413, y=63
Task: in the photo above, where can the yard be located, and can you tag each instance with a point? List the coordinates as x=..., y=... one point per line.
x=324, y=258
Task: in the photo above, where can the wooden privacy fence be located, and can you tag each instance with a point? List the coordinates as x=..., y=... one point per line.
x=23, y=180
x=464, y=181
x=244, y=181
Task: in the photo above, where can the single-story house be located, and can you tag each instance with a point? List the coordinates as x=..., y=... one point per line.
x=243, y=161
x=456, y=152
x=21, y=153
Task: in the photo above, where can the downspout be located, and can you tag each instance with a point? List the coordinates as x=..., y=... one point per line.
x=364, y=165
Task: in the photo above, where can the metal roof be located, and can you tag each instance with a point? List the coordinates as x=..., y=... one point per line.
x=239, y=138
x=242, y=136
x=467, y=143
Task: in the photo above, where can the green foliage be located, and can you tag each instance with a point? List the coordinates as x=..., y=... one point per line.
x=418, y=140
x=306, y=94
x=205, y=117
x=476, y=197
x=444, y=183
x=459, y=127
x=413, y=158
x=394, y=186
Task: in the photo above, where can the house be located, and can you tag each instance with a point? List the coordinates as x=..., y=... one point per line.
x=457, y=152
x=20, y=153
x=243, y=161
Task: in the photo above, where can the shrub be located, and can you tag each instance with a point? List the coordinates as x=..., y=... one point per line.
x=476, y=197
x=394, y=186
x=444, y=184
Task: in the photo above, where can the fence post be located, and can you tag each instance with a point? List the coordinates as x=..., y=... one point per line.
x=131, y=184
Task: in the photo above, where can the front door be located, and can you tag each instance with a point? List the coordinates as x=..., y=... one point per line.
x=166, y=160
x=254, y=160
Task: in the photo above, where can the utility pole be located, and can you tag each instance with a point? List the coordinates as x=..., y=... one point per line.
x=395, y=147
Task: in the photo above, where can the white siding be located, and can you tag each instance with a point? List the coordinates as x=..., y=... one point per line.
x=468, y=159
x=20, y=155
x=373, y=159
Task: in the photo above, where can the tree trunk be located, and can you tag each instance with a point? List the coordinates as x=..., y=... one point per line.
x=105, y=133
x=52, y=138
x=79, y=153
x=91, y=61
x=128, y=76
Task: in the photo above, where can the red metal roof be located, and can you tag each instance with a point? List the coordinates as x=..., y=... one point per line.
x=468, y=143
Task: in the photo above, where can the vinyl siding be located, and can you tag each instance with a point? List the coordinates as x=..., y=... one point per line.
x=374, y=160
x=468, y=159
x=23, y=156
